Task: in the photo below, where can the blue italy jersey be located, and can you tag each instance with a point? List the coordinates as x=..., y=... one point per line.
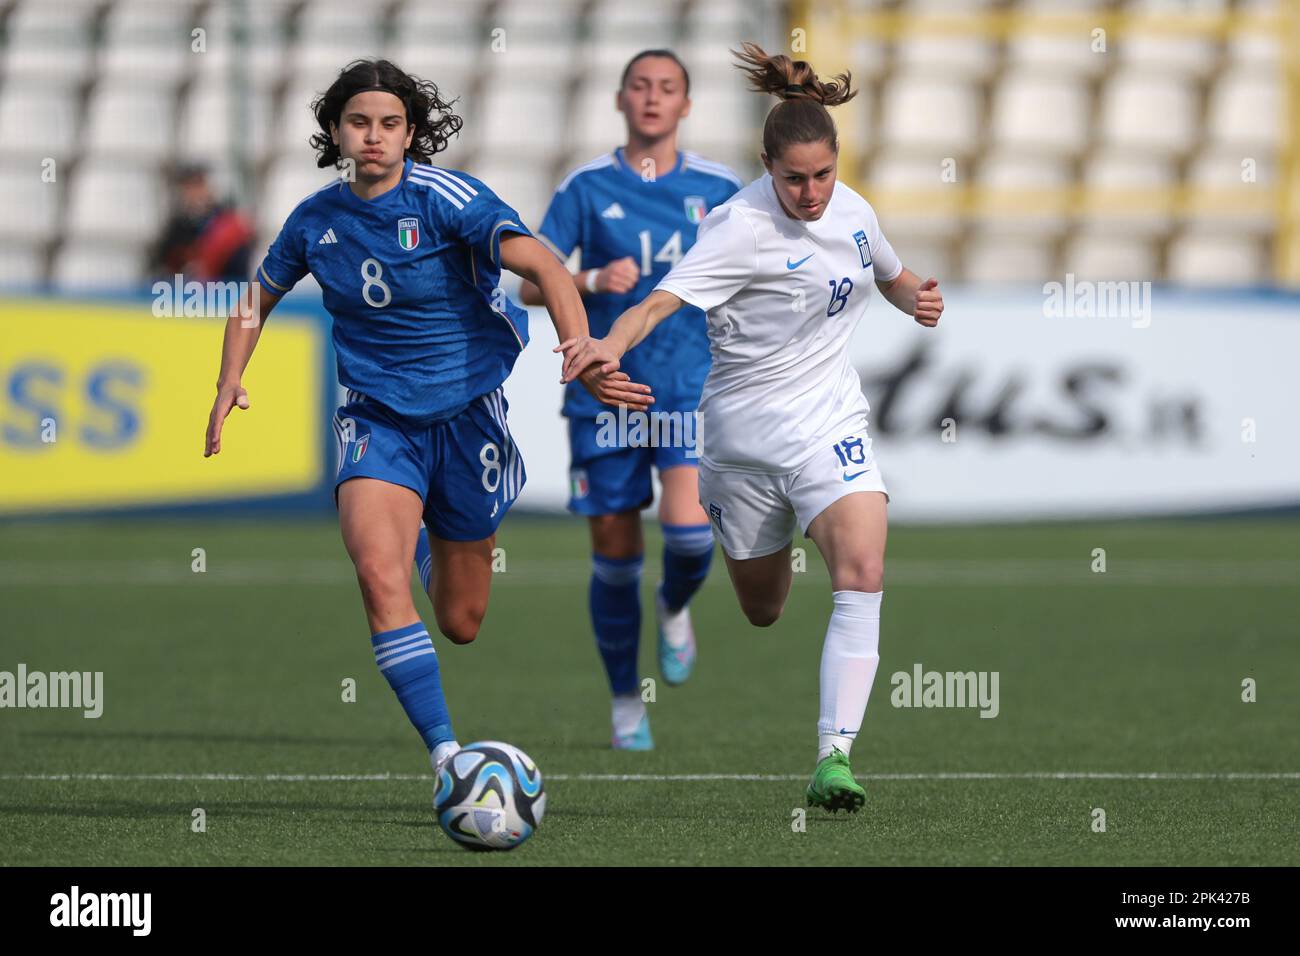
x=410, y=279
x=606, y=209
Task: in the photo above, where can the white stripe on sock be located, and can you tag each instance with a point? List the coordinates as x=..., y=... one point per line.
x=415, y=635
x=406, y=657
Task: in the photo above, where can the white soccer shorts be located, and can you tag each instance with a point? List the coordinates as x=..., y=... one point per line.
x=756, y=514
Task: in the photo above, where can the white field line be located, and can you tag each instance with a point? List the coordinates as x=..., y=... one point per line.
x=973, y=572
x=639, y=777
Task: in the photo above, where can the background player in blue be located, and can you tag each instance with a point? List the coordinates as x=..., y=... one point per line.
x=408, y=257
x=633, y=213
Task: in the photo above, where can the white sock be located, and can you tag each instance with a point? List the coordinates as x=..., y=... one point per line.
x=850, y=656
x=442, y=752
x=676, y=625
x=628, y=711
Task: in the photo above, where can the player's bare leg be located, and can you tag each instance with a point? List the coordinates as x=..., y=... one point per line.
x=762, y=585
x=618, y=549
x=380, y=522
x=850, y=534
x=459, y=584
x=680, y=503
x=617, y=535
x=688, y=551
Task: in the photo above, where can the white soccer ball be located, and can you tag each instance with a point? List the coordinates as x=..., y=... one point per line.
x=489, y=796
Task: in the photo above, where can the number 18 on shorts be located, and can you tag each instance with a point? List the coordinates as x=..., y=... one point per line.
x=756, y=514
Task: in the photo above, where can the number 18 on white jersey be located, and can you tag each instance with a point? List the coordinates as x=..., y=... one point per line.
x=783, y=298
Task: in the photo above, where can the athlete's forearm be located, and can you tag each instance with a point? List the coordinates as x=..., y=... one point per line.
x=639, y=321
x=562, y=301
x=531, y=294
x=901, y=293
x=533, y=262
x=243, y=329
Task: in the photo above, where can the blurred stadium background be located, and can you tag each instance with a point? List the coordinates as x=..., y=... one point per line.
x=1045, y=160
x=1004, y=144
x=1125, y=163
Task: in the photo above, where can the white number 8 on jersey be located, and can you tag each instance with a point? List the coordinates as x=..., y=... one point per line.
x=374, y=278
x=489, y=457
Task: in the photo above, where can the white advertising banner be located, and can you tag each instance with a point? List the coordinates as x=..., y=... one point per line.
x=1072, y=400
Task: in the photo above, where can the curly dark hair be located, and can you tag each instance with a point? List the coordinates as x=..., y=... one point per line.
x=431, y=116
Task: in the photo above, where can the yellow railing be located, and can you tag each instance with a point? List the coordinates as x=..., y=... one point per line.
x=1286, y=263
x=1001, y=24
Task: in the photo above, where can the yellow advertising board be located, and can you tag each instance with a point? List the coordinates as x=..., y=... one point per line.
x=105, y=405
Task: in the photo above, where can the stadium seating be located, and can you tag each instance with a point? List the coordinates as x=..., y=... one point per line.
x=1128, y=161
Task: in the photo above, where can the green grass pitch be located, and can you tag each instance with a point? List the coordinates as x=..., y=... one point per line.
x=1127, y=684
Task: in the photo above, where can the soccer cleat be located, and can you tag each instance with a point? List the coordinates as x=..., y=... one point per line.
x=833, y=787
x=438, y=758
x=675, y=663
x=638, y=739
x=442, y=753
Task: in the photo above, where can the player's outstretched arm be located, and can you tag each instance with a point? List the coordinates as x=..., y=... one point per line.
x=921, y=300
x=526, y=257
x=242, y=331
x=617, y=277
x=628, y=331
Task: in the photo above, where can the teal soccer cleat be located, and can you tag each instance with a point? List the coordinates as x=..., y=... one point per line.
x=638, y=739
x=675, y=662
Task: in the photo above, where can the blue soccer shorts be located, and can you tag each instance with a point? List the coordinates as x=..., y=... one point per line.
x=611, y=457
x=467, y=470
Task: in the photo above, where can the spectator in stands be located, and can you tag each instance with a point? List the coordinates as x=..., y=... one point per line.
x=203, y=240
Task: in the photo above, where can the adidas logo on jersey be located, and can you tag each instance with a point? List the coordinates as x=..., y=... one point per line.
x=327, y=238
x=615, y=211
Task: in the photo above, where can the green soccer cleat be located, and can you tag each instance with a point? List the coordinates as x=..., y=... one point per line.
x=833, y=787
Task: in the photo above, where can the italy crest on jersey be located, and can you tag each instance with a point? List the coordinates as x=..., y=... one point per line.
x=359, y=449
x=695, y=210
x=579, y=486
x=408, y=233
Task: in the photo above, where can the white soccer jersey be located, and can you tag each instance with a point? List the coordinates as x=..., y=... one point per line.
x=783, y=297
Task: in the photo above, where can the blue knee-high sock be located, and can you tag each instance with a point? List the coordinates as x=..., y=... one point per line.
x=615, y=600
x=688, y=552
x=406, y=657
x=423, y=557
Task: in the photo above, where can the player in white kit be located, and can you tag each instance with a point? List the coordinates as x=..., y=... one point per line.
x=783, y=271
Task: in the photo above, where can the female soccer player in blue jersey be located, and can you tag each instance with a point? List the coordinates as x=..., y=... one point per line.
x=633, y=213
x=408, y=257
